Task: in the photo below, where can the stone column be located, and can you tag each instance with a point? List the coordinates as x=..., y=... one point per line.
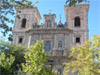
x=65, y=44
x=29, y=42
x=64, y=40
x=40, y=37
x=54, y=42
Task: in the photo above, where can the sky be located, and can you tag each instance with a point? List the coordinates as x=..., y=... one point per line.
x=57, y=7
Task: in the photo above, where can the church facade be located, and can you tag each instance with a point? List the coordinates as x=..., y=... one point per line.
x=59, y=38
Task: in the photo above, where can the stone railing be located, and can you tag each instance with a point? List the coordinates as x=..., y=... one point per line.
x=44, y=26
x=59, y=53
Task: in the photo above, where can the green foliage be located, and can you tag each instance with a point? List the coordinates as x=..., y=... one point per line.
x=7, y=8
x=46, y=71
x=36, y=59
x=86, y=58
x=5, y=64
x=16, y=51
x=74, y=2
x=31, y=61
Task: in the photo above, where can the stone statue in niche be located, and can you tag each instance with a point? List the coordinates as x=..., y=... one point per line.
x=60, y=44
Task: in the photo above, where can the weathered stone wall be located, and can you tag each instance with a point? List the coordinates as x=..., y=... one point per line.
x=66, y=34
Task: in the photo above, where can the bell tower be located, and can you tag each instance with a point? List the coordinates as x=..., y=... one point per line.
x=77, y=17
x=26, y=17
x=77, y=20
x=25, y=20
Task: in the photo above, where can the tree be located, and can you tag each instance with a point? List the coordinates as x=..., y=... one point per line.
x=7, y=8
x=74, y=2
x=12, y=58
x=16, y=51
x=36, y=59
x=86, y=58
x=5, y=64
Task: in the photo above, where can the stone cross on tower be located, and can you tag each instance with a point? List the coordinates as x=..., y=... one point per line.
x=49, y=11
x=60, y=19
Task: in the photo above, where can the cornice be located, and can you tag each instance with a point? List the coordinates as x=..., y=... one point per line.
x=50, y=31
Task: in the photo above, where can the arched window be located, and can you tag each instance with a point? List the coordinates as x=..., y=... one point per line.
x=47, y=46
x=23, y=23
x=77, y=22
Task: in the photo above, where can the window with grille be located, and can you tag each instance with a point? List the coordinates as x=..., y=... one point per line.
x=77, y=39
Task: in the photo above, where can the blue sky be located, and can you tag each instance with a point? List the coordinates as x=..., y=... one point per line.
x=57, y=7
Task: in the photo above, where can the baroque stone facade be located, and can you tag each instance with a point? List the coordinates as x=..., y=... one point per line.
x=59, y=38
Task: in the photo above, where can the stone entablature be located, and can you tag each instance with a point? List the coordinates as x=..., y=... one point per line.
x=50, y=31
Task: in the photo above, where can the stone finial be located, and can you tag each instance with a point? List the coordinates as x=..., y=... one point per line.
x=60, y=20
